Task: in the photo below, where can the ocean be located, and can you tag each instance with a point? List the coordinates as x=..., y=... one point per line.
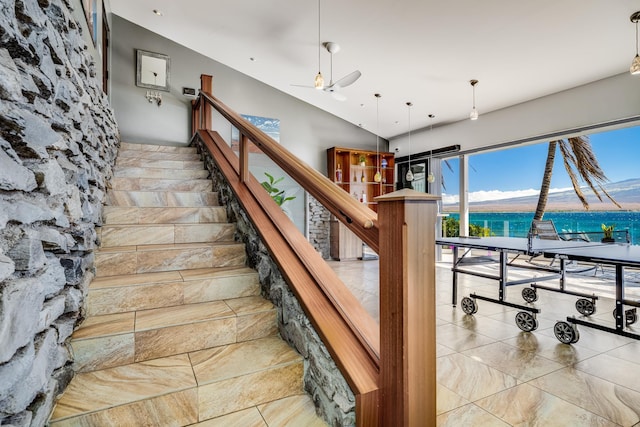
x=516, y=224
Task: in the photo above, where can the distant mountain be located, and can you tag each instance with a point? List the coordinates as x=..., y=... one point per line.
x=626, y=193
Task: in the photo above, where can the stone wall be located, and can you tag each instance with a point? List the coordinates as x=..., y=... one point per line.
x=318, y=224
x=58, y=143
x=322, y=379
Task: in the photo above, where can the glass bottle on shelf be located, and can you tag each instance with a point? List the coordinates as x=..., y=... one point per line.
x=339, y=173
x=362, y=178
x=363, y=197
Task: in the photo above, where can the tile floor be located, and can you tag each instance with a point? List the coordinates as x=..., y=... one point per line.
x=490, y=373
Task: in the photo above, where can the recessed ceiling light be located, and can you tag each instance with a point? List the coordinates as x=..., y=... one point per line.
x=158, y=12
x=252, y=59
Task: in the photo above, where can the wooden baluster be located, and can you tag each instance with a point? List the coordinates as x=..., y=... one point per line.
x=244, y=158
x=407, y=221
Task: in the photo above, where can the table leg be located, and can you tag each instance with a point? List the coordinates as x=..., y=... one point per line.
x=502, y=291
x=454, y=290
x=620, y=317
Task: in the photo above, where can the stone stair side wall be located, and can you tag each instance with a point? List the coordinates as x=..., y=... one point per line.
x=322, y=379
x=58, y=144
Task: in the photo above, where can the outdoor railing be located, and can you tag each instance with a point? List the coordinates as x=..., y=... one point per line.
x=390, y=367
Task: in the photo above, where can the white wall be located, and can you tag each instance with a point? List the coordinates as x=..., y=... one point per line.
x=604, y=102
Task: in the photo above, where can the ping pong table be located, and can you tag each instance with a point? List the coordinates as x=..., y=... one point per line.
x=616, y=255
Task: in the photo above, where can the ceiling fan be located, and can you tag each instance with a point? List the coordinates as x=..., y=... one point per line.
x=334, y=87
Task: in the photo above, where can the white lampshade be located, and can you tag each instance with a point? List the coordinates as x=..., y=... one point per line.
x=635, y=66
x=474, y=114
x=409, y=175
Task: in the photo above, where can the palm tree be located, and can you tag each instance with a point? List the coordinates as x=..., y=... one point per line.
x=580, y=162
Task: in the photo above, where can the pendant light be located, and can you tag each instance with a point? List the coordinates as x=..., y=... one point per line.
x=635, y=64
x=409, y=175
x=378, y=176
x=430, y=177
x=319, y=81
x=474, y=113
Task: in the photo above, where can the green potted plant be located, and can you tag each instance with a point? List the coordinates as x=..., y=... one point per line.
x=276, y=194
x=362, y=160
x=607, y=230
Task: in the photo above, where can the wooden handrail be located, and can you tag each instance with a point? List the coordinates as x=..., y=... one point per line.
x=390, y=367
x=358, y=218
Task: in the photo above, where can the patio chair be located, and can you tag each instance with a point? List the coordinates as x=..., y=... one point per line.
x=546, y=230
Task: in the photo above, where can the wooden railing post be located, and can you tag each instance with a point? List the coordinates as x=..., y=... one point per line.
x=406, y=221
x=243, y=154
x=206, y=85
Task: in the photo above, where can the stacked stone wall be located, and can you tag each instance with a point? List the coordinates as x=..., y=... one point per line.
x=319, y=218
x=58, y=143
x=323, y=380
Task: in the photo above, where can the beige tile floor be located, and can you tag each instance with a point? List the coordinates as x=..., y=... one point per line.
x=490, y=373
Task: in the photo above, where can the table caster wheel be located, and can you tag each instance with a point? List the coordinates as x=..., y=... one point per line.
x=529, y=295
x=469, y=306
x=630, y=316
x=585, y=307
x=566, y=333
x=526, y=321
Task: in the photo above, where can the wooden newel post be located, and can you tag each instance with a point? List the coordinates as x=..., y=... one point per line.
x=206, y=85
x=407, y=224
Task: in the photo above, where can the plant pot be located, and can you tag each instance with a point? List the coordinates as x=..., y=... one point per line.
x=608, y=240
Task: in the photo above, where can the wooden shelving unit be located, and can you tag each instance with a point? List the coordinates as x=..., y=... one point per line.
x=354, y=171
x=344, y=166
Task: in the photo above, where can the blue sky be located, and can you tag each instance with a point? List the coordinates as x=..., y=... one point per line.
x=518, y=171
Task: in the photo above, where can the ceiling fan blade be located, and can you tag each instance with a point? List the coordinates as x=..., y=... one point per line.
x=349, y=79
x=307, y=86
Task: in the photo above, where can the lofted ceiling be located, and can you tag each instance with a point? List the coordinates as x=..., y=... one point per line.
x=423, y=51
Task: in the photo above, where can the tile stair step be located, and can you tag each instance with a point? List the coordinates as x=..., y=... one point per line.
x=298, y=410
x=159, y=173
x=110, y=340
x=122, y=162
x=245, y=374
x=161, y=234
x=187, y=388
x=120, y=260
x=157, y=184
x=157, y=155
x=155, y=147
x=117, y=294
x=157, y=392
x=151, y=199
x=113, y=215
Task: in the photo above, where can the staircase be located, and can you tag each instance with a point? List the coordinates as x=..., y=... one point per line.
x=176, y=331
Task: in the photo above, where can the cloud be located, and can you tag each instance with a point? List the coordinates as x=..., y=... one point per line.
x=488, y=195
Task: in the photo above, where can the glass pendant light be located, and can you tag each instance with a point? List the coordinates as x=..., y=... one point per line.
x=474, y=113
x=430, y=177
x=409, y=176
x=378, y=176
x=635, y=64
x=319, y=80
